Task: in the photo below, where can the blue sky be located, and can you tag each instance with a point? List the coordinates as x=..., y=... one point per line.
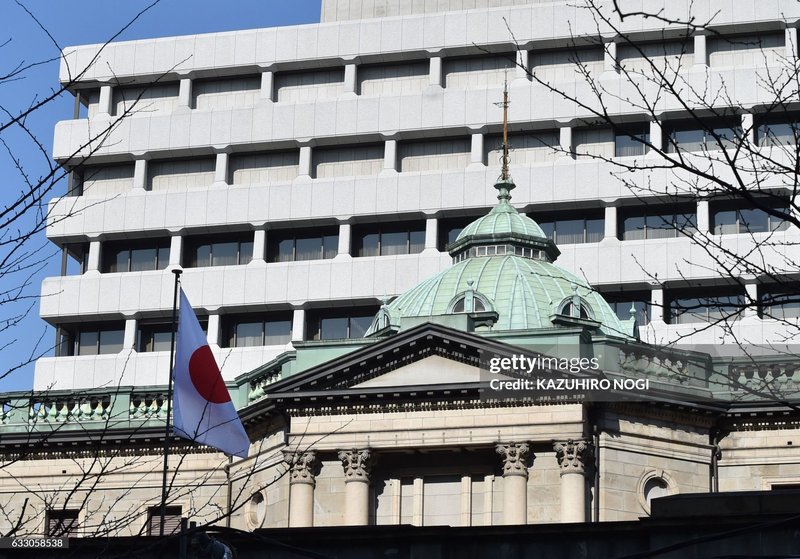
x=74, y=23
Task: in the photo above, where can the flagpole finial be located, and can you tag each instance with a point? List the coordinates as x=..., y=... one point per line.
x=504, y=174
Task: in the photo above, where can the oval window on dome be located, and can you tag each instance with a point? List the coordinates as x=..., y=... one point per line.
x=461, y=303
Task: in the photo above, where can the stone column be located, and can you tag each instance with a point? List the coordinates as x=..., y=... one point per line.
x=129, y=337
x=140, y=174
x=515, y=482
x=345, y=239
x=305, y=162
x=611, y=229
x=93, y=260
x=572, y=458
x=565, y=141
x=212, y=336
x=791, y=43
x=221, y=169
x=301, y=488
x=390, y=156
x=751, y=287
x=610, y=56
x=259, y=245
x=749, y=129
x=656, y=137
x=523, y=58
x=700, y=51
x=435, y=72
x=703, y=216
x=659, y=312
x=476, y=150
x=106, y=100
x=176, y=250
x=351, y=78
x=298, y=325
x=431, y=233
x=267, y=88
x=356, y=465
x=185, y=93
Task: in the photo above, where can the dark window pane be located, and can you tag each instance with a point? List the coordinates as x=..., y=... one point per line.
x=224, y=254
x=245, y=252
x=660, y=226
x=87, y=343
x=248, y=334
x=202, y=256
x=359, y=326
x=333, y=328
x=686, y=222
x=369, y=245
x=728, y=138
x=161, y=340
x=633, y=228
x=688, y=140
x=143, y=259
x=626, y=146
x=725, y=222
x=119, y=261
x=753, y=221
x=308, y=249
x=111, y=341
x=595, y=230
x=416, y=242
x=163, y=257
x=783, y=134
x=285, y=251
x=569, y=232
x=549, y=228
x=394, y=243
x=278, y=332
x=330, y=246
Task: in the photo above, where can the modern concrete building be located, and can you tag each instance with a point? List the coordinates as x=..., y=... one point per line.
x=311, y=180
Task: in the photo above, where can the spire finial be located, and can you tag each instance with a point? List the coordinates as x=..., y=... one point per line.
x=504, y=175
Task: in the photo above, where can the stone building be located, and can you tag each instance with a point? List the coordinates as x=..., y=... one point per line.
x=327, y=190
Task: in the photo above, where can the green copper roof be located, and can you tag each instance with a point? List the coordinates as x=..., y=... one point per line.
x=524, y=292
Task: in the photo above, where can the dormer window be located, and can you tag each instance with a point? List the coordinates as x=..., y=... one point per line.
x=461, y=304
x=576, y=306
x=469, y=301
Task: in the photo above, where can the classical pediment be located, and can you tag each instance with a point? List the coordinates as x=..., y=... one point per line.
x=433, y=370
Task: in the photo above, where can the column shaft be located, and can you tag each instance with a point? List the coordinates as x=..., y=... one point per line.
x=345, y=236
x=176, y=250
x=435, y=72
x=610, y=223
x=700, y=52
x=476, y=150
x=267, y=88
x=298, y=325
x=212, y=337
x=140, y=174
x=93, y=262
x=390, y=155
x=105, y=102
x=221, y=169
x=431, y=233
x=185, y=93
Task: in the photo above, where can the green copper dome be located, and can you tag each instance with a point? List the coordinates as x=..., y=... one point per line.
x=504, y=219
x=503, y=263
x=525, y=293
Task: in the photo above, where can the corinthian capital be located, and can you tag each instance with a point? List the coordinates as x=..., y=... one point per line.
x=301, y=466
x=515, y=458
x=572, y=456
x=356, y=464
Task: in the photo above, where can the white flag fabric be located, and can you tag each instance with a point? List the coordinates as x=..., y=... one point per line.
x=203, y=410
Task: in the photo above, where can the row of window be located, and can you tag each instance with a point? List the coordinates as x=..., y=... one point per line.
x=65, y=523
x=246, y=330
x=574, y=227
x=686, y=307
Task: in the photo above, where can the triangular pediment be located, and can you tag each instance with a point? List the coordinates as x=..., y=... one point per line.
x=434, y=370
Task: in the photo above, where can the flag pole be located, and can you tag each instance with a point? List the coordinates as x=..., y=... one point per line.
x=177, y=272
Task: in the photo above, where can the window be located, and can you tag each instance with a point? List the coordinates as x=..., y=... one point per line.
x=477, y=305
x=91, y=339
x=389, y=239
x=778, y=130
x=735, y=217
x=702, y=137
x=658, y=222
x=574, y=227
x=630, y=141
x=780, y=302
x=337, y=324
x=691, y=307
x=298, y=245
x=156, y=335
x=621, y=303
x=62, y=523
x=135, y=257
x=172, y=520
x=450, y=229
x=250, y=330
x=74, y=258
x=226, y=251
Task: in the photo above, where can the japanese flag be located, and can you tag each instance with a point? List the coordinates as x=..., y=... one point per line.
x=202, y=406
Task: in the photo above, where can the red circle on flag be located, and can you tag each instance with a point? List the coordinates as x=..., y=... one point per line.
x=206, y=378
